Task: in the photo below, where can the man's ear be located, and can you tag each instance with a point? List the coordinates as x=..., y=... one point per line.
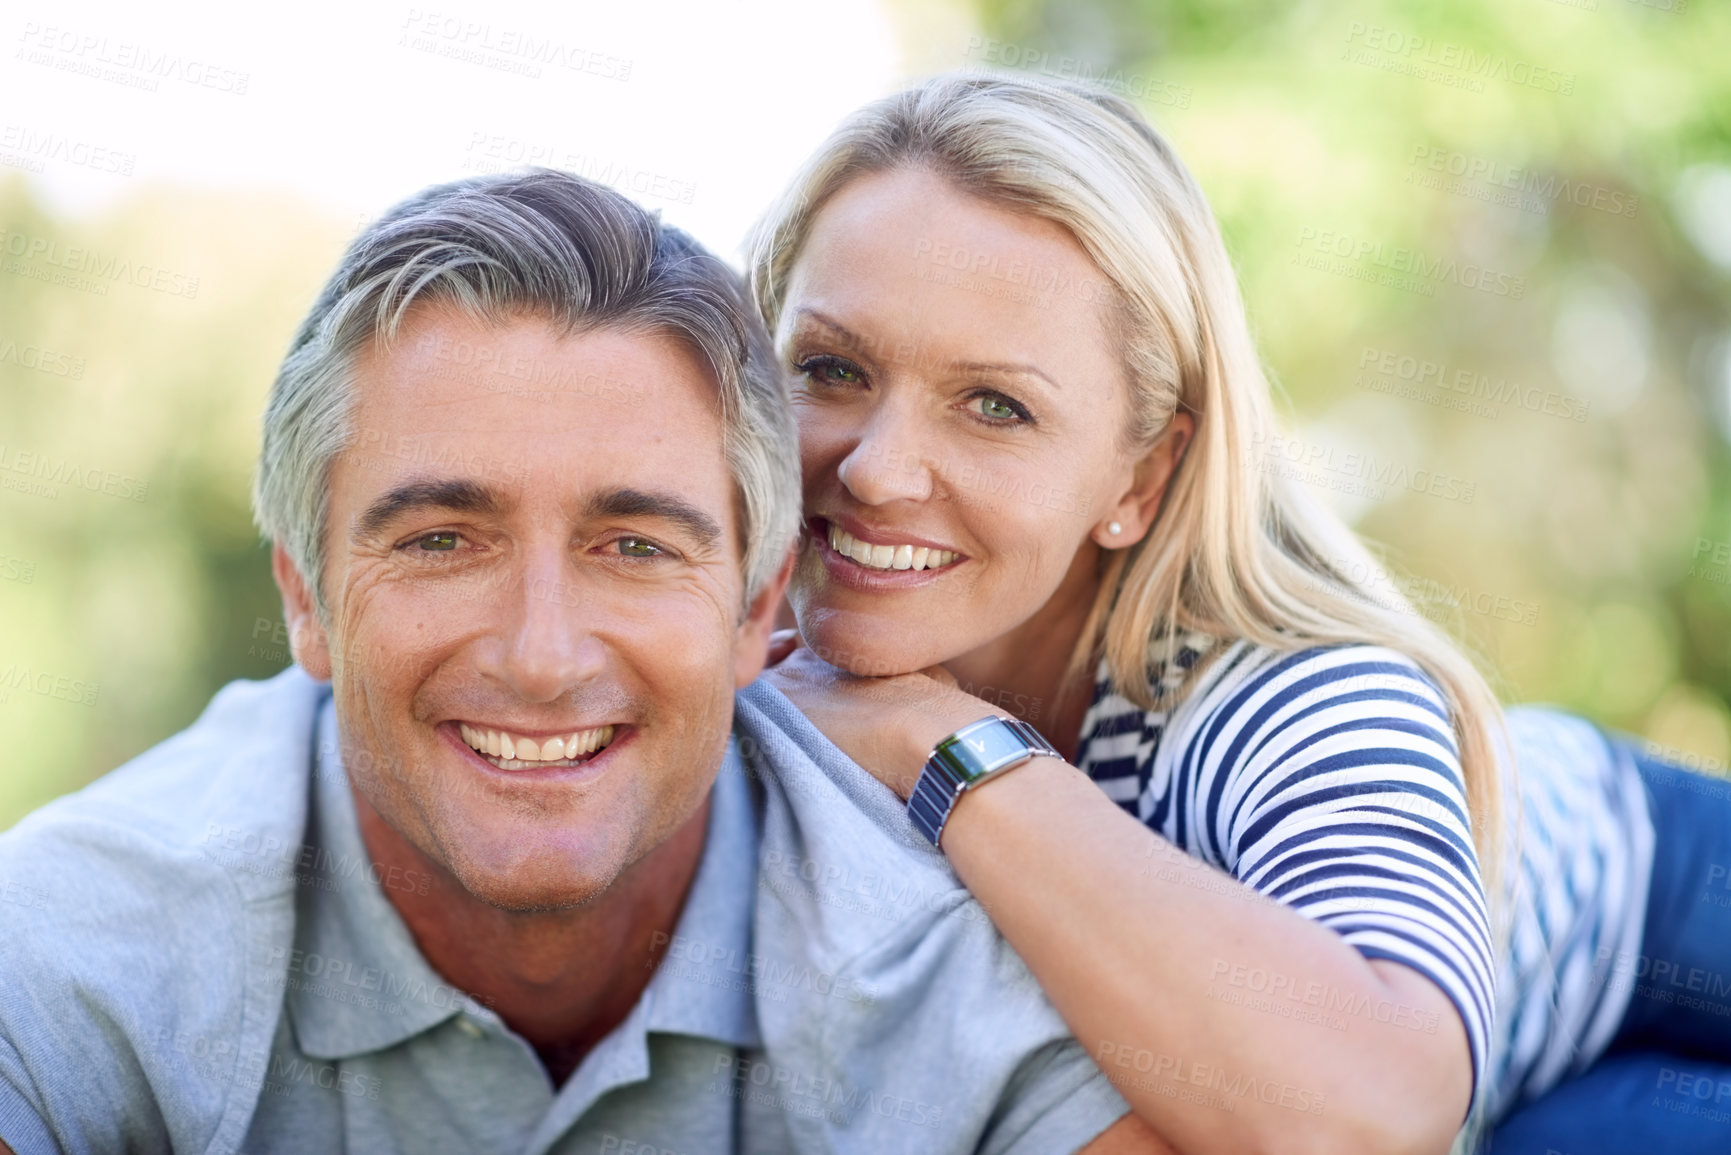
x=307, y=640
x=1139, y=505
x=751, y=646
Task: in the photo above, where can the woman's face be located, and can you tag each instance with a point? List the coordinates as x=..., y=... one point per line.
x=961, y=406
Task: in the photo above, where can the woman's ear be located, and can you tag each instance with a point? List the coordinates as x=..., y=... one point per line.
x=307, y=640
x=1130, y=518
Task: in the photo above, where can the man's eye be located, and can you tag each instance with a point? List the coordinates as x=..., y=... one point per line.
x=638, y=547
x=435, y=542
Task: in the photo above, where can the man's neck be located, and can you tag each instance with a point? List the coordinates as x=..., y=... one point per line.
x=560, y=979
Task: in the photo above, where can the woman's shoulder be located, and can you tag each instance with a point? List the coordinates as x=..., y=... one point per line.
x=1229, y=674
x=1208, y=688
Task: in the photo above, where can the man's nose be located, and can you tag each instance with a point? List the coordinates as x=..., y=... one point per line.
x=887, y=463
x=548, y=643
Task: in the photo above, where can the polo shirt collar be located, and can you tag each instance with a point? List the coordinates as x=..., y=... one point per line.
x=359, y=983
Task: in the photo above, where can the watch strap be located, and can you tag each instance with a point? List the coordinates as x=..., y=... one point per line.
x=973, y=754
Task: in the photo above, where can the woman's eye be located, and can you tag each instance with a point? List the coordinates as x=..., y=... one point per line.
x=638, y=547
x=828, y=370
x=437, y=542
x=997, y=407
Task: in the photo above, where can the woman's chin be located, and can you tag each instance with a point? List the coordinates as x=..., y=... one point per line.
x=873, y=649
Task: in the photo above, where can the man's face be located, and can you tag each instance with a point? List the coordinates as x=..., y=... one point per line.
x=532, y=545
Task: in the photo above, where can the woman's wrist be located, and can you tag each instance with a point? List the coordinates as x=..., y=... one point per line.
x=933, y=722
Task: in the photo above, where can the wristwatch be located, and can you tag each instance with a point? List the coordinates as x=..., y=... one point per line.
x=977, y=752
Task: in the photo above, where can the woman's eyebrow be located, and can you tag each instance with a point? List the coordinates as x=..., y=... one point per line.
x=1010, y=368
x=457, y=494
x=805, y=316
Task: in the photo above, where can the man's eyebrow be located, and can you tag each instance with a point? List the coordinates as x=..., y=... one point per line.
x=666, y=506
x=454, y=494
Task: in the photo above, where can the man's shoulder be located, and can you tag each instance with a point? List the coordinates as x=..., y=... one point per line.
x=879, y=976
x=236, y=776
x=831, y=827
x=141, y=917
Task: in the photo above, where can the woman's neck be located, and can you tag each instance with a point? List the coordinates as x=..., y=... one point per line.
x=1022, y=672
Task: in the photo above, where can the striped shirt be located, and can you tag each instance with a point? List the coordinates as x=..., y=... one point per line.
x=1329, y=780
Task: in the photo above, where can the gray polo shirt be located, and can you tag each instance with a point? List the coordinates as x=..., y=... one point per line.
x=377, y=1053
x=198, y=955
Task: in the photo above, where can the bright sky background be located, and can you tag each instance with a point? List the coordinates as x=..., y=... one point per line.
x=704, y=107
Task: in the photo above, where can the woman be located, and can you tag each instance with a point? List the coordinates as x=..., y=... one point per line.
x=1032, y=428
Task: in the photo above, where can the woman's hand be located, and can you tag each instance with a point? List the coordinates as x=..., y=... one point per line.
x=887, y=725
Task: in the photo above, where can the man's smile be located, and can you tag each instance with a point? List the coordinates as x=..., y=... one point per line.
x=511, y=750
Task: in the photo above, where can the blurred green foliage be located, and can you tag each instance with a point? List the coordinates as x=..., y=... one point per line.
x=1578, y=569
x=1583, y=147
x=132, y=582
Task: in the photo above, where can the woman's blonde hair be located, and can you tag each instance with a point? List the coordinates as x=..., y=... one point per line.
x=1236, y=552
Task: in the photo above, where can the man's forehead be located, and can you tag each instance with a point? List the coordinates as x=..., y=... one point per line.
x=520, y=408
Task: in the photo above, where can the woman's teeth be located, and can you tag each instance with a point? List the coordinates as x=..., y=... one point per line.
x=887, y=556
x=512, y=752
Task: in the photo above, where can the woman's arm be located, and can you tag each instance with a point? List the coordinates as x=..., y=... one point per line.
x=1231, y=1023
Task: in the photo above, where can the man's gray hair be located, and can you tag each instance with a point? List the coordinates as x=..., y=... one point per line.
x=551, y=245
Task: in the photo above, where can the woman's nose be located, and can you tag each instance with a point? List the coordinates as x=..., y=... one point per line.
x=885, y=465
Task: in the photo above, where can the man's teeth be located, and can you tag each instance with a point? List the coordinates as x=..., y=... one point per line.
x=516, y=751
x=887, y=556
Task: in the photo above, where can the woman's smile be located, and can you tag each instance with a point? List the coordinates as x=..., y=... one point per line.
x=878, y=560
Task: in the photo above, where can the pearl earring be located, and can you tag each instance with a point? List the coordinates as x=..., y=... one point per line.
x=1114, y=528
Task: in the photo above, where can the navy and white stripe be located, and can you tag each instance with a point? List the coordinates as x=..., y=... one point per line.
x=1329, y=780
x=1577, y=902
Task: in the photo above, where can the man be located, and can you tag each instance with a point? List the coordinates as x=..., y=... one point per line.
x=528, y=472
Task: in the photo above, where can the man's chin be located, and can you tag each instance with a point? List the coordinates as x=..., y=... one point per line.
x=518, y=876
x=532, y=889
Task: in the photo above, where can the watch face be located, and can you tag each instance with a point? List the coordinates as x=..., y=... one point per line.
x=990, y=747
